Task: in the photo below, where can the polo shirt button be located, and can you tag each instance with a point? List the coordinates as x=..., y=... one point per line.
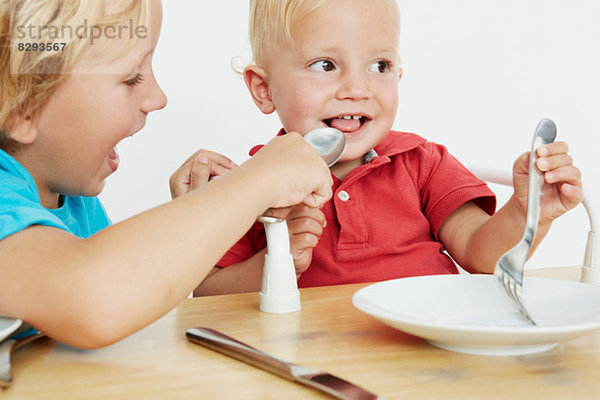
x=343, y=195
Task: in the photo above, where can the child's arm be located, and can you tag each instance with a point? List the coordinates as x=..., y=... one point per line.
x=476, y=240
x=305, y=226
x=93, y=292
x=245, y=276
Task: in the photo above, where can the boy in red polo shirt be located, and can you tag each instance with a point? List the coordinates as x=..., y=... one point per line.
x=399, y=201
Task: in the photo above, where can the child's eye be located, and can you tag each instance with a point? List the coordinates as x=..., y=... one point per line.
x=322, y=65
x=136, y=80
x=380, y=66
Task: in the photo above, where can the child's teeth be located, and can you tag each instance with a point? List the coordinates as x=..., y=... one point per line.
x=356, y=117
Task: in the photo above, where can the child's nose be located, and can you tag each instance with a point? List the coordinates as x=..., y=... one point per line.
x=354, y=85
x=156, y=98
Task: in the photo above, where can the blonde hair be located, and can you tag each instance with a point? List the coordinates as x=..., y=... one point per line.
x=29, y=78
x=271, y=22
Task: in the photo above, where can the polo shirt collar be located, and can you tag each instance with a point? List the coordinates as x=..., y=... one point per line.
x=398, y=142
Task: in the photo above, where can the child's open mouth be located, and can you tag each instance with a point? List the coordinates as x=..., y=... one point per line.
x=347, y=123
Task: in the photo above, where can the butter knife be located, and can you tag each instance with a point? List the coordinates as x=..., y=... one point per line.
x=323, y=381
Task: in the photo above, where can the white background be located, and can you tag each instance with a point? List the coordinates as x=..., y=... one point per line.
x=478, y=76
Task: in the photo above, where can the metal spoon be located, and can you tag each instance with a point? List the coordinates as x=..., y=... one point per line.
x=328, y=142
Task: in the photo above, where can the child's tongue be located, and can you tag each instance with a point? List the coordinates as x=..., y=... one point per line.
x=345, y=125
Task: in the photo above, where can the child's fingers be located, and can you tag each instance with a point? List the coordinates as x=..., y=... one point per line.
x=556, y=161
x=192, y=174
x=279, y=212
x=302, y=225
x=302, y=260
x=180, y=180
x=521, y=165
x=218, y=169
x=177, y=189
x=567, y=174
x=300, y=211
x=319, y=197
x=571, y=195
x=553, y=149
x=303, y=241
x=219, y=163
x=200, y=172
x=219, y=159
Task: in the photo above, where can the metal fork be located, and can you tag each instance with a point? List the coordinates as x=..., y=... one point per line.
x=509, y=267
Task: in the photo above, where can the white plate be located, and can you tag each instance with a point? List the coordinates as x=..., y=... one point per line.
x=8, y=326
x=469, y=314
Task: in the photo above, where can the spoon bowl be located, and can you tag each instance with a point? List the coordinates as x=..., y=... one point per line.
x=328, y=142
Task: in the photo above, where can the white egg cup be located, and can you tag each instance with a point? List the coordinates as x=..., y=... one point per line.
x=279, y=293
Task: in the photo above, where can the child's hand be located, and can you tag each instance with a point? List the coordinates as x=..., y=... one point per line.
x=294, y=171
x=305, y=226
x=562, y=189
x=197, y=170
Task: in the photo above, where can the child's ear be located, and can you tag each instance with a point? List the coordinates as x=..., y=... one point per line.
x=399, y=73
x=256, y=80
x=23, y=129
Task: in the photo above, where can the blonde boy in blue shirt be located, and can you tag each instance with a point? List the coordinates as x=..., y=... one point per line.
x=63, y=269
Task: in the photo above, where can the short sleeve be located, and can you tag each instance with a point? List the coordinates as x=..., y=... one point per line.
x=20, y=208
x=446, y=185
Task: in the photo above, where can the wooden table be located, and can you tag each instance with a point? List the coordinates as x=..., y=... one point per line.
x=327, y=334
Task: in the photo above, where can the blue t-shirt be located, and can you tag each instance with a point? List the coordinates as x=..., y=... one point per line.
x=20, y=205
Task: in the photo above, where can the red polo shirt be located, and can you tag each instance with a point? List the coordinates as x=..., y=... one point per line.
x=384, y=216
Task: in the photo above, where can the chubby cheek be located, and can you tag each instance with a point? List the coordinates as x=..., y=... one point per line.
x=117, y=124
x=389, y=99
x=299, y=107
x=299, y=120
x=292, y=118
